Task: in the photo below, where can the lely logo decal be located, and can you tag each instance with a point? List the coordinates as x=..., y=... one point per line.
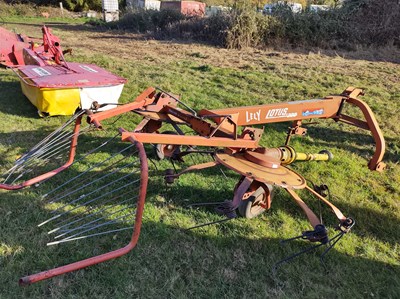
x=280, y=113
x=319, y=111
x=253, y=115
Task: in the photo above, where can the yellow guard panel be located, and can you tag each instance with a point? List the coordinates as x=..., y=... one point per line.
x=52, y=101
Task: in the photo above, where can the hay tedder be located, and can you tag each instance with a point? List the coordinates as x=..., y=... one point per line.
x=107, y=194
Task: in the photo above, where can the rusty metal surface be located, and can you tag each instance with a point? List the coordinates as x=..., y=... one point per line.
x=270, y=161
x=280, y=176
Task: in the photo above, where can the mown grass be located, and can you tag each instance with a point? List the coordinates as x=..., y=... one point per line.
x=234, y=259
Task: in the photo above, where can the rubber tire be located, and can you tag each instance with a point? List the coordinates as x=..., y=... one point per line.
x=246, y=208
x=159, y=150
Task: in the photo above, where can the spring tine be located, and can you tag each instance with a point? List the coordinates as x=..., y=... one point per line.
x=80, y=198
x=335, y=239
x=64, y=137
x=97, y=148
x=89, y=178
x=61, y=137
x=33, y=153
x=88, y=236
x=21, y=163
x=50, y=147
x=101, y=224
x=11, y=171
x=46, y=155
x=87, y=216
x=55, y=142
x=110, y=222
x=277, y=265
x=72, y=119
x=91, y=183
x=85, y=225
x=86, y=171
x=18, y=177
x=62, y=222
x=50, y=219
x=96, y=198
x=209, y=223
x=84, y=156
x=32, y=163
x=40, y=154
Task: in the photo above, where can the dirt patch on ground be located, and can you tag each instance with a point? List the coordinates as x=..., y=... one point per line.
x=122, y=45
x=88, y=41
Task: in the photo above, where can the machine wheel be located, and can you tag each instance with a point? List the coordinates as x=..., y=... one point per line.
x=254, y=204
x=163, y=151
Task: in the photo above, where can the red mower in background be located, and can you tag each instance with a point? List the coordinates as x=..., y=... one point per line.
x=53, y=85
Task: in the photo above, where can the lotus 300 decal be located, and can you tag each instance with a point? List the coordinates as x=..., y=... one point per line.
x=280, y=113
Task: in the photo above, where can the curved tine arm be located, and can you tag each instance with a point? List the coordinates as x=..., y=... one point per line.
x=370, y=124
x=194, y=168
x=376, y=162
x=52, y=173
x=109, y=255
x=309, y=213
x=335, y=210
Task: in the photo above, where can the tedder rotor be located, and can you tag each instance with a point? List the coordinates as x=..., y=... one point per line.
x=107, y=193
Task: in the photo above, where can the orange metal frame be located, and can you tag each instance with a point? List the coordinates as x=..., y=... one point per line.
x=219, y=128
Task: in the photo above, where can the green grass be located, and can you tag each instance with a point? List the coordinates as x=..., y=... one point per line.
x=232, y=260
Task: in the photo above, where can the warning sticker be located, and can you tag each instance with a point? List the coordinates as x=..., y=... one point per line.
x=88, y=68
x=41, y=71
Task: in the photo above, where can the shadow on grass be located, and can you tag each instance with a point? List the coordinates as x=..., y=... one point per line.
x=12, y=100
x=170, y=262
x=360, y=143
x=221, y=189
x=222, y=183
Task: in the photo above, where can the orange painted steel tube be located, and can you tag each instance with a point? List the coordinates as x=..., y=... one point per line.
x=335, y=210
x=309, y=213
x=190, y=140
x=280, y=112
x=52, y=173
x=373, y=126
x=113, y=254
x=145, y=98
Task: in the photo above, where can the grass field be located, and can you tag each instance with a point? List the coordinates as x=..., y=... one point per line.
x=232, y=260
